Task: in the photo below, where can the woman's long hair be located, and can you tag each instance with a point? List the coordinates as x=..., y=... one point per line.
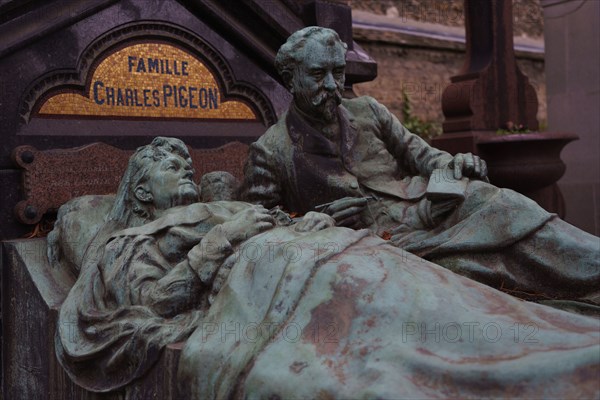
x=127, y=210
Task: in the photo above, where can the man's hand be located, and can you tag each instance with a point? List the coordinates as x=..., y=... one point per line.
x=346, y=211
x=247, y=223
x=314, y=221
x=468, y=165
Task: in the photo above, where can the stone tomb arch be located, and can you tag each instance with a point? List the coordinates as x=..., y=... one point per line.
x=164, y=72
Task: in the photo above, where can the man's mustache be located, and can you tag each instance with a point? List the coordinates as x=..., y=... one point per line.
x=323, y=96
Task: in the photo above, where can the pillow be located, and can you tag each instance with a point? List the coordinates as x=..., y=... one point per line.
x=218, y=185
x=77, y=223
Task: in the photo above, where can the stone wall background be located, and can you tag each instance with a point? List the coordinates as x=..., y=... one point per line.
x=527, y=14
x=423, y=71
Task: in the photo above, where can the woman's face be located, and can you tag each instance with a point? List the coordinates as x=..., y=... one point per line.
x=170, y=183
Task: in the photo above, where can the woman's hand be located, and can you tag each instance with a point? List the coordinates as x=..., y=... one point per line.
x=206, y=257
x=314, y=221
x=247, y=223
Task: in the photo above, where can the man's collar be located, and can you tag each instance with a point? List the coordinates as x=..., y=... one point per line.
x=308, y=119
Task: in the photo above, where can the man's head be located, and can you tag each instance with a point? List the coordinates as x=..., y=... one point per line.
x=311, y=64
x=158, y=177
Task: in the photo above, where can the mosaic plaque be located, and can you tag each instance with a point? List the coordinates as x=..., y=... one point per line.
x=147, y=80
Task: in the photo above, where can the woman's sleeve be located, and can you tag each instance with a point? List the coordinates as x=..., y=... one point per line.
x=137, y=273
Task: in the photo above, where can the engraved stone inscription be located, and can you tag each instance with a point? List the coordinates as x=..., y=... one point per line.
x=53, y=177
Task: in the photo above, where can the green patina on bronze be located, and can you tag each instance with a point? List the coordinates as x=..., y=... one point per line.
x=354, y=156
x=147, y=271
x=272, y=309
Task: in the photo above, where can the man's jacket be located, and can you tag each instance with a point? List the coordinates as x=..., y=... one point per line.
x=296, y=166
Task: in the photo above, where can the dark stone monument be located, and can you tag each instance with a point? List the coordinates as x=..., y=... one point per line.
x=79, y=72
x=74, y=73
x=491, y=93
x=122, y=72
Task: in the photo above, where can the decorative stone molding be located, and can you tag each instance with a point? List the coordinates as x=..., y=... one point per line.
x=78, y=80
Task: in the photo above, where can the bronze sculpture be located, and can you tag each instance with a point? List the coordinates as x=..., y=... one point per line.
x=304, y=310
x=271, y=309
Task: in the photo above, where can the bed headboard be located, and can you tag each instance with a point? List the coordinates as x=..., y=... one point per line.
x=53, y=177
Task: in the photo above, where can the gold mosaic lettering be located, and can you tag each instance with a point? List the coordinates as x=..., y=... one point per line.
x=152, y=80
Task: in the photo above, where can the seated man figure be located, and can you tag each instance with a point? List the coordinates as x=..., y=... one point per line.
x=357, y=161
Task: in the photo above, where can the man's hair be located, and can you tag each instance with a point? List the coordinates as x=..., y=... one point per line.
x=291, y=53
x=126, y=204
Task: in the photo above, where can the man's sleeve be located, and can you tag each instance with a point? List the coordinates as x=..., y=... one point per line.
x=412, y=152
x=261, y=183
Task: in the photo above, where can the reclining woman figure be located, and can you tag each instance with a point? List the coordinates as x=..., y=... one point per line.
x=148, y=275
x=297, y=311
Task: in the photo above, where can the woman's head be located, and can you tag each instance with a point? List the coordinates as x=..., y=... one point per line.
x=158, y=177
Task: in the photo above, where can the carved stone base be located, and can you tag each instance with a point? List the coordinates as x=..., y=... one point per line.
x=32, y=293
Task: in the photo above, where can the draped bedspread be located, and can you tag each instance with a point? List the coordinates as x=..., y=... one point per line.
x=336, y=313
x=343, y=314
